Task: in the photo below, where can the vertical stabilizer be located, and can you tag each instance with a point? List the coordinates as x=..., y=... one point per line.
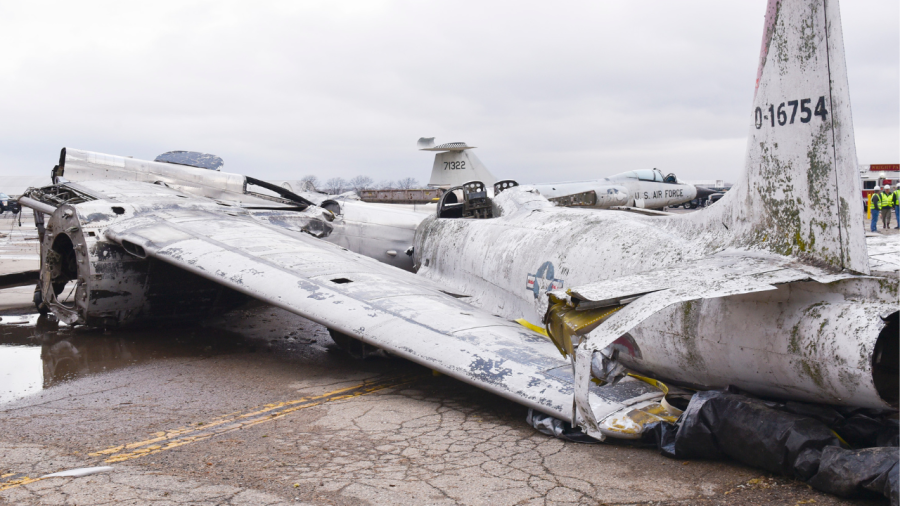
x=800, y=194
x=455, y=164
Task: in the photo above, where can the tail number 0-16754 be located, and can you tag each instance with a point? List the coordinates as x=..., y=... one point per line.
x=787, y=115
x=455, y=165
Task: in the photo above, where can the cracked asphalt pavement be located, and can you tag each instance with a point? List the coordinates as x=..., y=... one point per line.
x=260, y=407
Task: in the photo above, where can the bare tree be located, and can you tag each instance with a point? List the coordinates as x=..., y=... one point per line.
x=360, y=183
x=407, y=183
x=335, y=185
x=386, y=185
x=309, y=180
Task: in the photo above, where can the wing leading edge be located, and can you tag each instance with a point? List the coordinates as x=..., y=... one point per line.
x=394, y=310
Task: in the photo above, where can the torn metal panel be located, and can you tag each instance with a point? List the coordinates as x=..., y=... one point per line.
x=583, y=199
x=801, y=342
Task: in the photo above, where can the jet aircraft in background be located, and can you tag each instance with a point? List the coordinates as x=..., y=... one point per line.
x=454, y=165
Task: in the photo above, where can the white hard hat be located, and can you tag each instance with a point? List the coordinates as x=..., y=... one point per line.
x=877, y=188
x=887, y=186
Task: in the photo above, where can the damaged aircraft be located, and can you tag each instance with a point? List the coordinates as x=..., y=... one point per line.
x=586, y=317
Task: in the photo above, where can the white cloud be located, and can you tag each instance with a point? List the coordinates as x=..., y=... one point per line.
x=568, y=90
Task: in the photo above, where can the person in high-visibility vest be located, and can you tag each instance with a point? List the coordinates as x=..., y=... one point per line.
x=887, y=204
x=896, y=198
x=875, y=207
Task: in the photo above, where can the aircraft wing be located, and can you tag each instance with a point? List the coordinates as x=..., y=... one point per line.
x=383, y=306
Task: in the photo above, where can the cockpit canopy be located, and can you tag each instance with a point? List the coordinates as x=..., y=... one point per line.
x=471, y=200
x=648, y=175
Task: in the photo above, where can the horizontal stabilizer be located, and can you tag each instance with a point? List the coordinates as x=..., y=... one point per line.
x=454, y=165
x=448, y=146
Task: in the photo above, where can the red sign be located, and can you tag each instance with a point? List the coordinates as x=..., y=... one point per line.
x=895, y=167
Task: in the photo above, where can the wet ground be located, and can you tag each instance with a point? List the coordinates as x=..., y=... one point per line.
x=260, y=407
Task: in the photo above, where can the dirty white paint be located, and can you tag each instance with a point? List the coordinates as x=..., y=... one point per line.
x=770, y=289
x=80, y=472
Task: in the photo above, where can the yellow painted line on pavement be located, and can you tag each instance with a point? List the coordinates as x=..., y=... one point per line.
x=167, y=440
x=17, y=482
x=175, y=438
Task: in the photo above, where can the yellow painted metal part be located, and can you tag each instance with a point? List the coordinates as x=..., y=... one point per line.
x=530, y=326
x=630, y=425
x=565, y=321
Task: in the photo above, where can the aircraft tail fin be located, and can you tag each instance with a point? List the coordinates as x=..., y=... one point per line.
x=800, y=194
x=455, y=164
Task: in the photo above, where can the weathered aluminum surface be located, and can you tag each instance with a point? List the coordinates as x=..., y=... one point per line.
x=815, y=343
x=231, y=189
x=727, y=265
x=385, y=233
x=806, y=340
x=37, y=206
x=357, y=296
x=79, y=165
x=799, y=194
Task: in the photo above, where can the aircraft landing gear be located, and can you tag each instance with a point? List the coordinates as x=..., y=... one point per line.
x=353, y=346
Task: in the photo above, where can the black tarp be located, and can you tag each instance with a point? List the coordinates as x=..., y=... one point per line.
x=793, y=439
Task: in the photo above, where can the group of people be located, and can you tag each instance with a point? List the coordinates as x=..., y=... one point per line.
x=883, y=200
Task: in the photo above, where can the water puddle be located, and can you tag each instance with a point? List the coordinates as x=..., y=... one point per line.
x=38, y=352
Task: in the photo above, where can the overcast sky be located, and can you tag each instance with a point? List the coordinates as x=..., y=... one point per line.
x=546, y=90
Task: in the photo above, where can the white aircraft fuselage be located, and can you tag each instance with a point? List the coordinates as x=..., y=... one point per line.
x=641, y=188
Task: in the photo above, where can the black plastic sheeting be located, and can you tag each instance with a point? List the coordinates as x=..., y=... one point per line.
x=793, y=439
